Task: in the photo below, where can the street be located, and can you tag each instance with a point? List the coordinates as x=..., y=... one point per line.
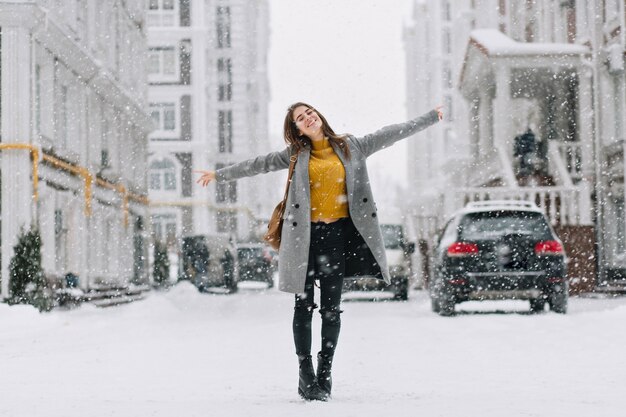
x=182, y=353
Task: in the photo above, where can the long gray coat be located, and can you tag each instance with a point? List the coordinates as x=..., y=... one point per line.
x=294, y=247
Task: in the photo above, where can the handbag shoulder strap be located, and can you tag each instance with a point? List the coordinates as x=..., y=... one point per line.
x=292, y=164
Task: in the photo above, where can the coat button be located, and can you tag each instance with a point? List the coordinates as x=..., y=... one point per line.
x=297, y=206
x=365, y=200
x=295, y=224
x=373, y=214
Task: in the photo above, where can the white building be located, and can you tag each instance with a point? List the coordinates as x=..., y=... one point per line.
x=502, y=67
x=208, y=95
x=74, y=136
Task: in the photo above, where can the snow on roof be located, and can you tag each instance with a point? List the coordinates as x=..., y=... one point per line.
x=500, y=205
x=495, y=43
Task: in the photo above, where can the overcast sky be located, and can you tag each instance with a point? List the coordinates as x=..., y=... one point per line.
x=346, y=58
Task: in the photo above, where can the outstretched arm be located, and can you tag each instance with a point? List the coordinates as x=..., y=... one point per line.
x=389, y=135
x=274, y=161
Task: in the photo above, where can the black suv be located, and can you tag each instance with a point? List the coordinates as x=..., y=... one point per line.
x=496, y=250
x=255, y=263
x=209, y=262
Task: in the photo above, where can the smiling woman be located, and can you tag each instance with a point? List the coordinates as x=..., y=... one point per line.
x=330, y=228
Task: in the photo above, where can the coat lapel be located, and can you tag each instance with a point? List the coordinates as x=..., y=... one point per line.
x=348, y=170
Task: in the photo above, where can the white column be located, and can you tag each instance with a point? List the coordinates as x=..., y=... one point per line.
x=474, y=131
x=585, y=122
x=485, y=122
x=17, y=190
x=501, y=108
x=46, y=226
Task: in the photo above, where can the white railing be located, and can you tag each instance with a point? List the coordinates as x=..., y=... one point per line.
x=572, y=157
x=562, y=205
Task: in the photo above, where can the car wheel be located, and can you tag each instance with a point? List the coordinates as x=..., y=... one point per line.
x=401, y=292
x=401, y=295
x=434, y=305
x=446, y=306
x=537, y=305
x=558, y=303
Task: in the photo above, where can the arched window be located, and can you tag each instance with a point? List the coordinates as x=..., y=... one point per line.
x=163, y=175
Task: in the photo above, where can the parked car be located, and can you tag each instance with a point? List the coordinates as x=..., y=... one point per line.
x=209, y=261
x=255, y=263
x=398, y=251
x=499, y=250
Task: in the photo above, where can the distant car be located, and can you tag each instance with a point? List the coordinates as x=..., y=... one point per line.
x=499, y=250
x=209, y=261
x=255, y=263
x=398, y=251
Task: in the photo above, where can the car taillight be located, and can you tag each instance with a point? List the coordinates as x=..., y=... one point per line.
x=549, y=247
x=462, y=249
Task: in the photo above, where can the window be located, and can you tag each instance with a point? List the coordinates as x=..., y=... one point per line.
x=164, y=228
x=226, y=192
x=224, y=79
x=223, y=27
x=63, y=133
x=162, y=63
x=445, y=11
x=448, y=107
x=225, y=131
x=226, y=221
x=446, y=76
x=38, y=98
x=620, y=244
x=164, y=116
x=161, y=12
x=59, y=239
x=163, y=175
x=105, y=157
x=446, y=41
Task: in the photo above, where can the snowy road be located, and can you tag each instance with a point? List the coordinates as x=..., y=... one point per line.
x=182, y=353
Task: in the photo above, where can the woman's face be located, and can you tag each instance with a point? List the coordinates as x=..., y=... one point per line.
x=307, y=121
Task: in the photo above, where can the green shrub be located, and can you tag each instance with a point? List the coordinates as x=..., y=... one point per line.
x=27, y=283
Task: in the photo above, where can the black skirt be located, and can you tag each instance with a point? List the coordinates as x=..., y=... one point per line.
x=360, y=261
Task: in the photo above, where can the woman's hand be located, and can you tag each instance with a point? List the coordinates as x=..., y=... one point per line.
x=439, y=111
x=205, y=178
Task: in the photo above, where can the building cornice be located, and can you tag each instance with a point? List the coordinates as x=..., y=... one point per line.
x=74, y=55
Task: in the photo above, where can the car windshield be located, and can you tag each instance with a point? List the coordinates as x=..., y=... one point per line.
x=492, y=224
x=392, y=235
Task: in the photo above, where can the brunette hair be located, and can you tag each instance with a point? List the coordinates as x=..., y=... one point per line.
x=293, y=137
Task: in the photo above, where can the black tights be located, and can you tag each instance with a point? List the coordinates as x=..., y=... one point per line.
x=326, y=264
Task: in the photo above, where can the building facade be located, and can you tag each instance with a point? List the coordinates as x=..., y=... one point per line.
x=208, y=96
x=74, y=137
x=511, y=71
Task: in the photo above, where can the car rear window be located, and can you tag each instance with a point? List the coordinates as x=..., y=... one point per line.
x=392, y=235
x=250, y=253
x=492, y=224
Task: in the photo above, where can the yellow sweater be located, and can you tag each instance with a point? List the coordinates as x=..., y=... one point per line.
x=327, y=176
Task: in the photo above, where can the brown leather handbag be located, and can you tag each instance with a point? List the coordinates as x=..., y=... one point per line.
x=275, y=225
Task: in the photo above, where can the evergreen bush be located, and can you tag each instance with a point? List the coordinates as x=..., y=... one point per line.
x=27, y=282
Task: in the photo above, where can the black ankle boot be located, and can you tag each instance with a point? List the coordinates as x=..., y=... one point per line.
x=324, y=365
x=308, y=387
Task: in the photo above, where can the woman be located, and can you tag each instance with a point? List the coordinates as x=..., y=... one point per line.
x=330, y=229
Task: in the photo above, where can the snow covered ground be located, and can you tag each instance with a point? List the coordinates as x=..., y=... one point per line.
x=181, y=353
